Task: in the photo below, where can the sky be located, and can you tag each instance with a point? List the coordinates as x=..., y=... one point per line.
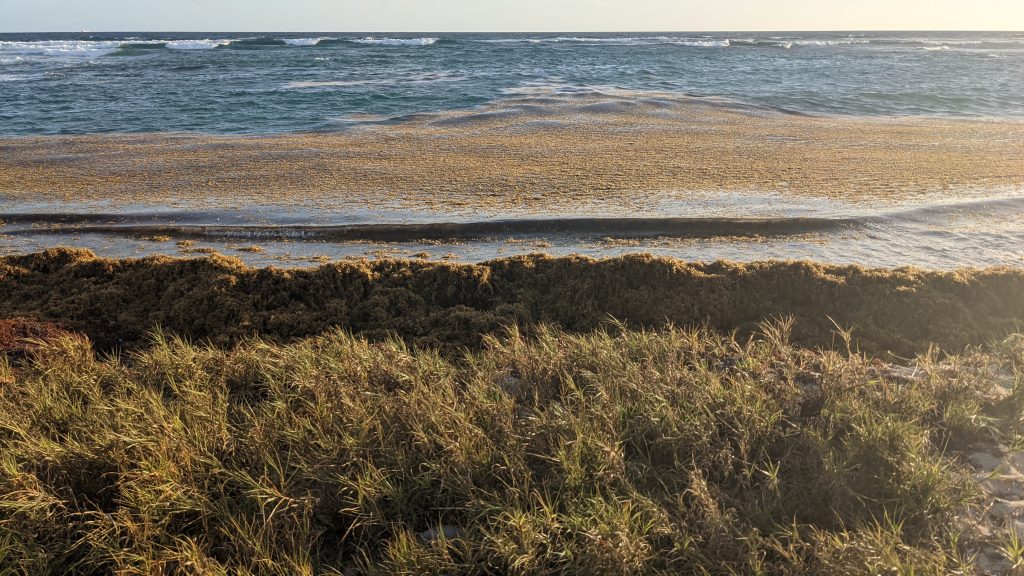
x=506, y=15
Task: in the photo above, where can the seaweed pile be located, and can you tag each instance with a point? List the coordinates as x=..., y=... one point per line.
x=451, y=307
x=19, y=336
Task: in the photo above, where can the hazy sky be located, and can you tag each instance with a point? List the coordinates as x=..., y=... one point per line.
x=508, y=15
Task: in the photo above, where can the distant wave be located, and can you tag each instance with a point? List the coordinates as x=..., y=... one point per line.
x=96, y=48
x=704, y=43
x=784, y=42
x=132, y=45
x=395, y=41
x=953, y=42
x=688, y=41
x=306, y=41
x=830, y=42
x=143, y=46
x=609, y=40
x=67, y=48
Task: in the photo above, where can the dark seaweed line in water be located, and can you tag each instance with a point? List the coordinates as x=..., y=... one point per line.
x=619, y=227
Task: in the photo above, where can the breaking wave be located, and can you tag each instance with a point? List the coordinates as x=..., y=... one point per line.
x=96, y=48
x=90, y=48
x=395, y=41
x=306, y=41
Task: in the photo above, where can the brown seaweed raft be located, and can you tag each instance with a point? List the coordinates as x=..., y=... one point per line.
x=544, y=156
x=117, y=303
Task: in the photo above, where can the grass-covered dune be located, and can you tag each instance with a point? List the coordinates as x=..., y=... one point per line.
x=450, y=306
x=680, y=451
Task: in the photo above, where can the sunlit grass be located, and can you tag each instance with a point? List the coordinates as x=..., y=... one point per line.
x=609, y=452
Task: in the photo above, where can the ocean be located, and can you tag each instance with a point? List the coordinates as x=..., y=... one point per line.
x=882, y=149
x=262, y=83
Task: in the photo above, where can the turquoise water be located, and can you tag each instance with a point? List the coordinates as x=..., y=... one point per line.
x=259, y=83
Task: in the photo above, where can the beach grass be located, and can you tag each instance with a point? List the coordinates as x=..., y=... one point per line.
x=611, y=451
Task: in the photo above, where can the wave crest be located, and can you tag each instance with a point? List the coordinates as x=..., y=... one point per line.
x=305, y=41
x=395, y=41
x=704, y=43
x=79, y=48
x=196, y=44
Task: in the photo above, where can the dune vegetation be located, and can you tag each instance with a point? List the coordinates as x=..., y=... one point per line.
x=531, y=415
x=611, y=452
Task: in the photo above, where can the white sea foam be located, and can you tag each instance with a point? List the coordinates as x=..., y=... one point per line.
x=952, y=42
x=305, y=41
x=94, y=48
x=704, y=43
x=72, y=48
x=395, y=41
x=510, y=40
x=692, y=41
x=613, y=40
x=695, y=42
x=830, y=42
x=196, y=44
x=635, y=40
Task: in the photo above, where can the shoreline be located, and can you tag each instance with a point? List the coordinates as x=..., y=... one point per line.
x=943, y=193
x=947, y=235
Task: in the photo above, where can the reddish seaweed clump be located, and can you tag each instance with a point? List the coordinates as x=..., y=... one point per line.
x=20, y=336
